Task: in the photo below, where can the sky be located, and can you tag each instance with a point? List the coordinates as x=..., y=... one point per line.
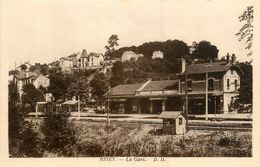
x=43, y=30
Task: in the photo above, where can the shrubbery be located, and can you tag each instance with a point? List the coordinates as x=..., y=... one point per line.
x=59, y=134
x=24, y=141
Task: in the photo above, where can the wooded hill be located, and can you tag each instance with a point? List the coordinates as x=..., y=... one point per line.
x=172, y=49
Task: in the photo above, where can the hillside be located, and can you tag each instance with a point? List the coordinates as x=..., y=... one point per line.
x=172, y=49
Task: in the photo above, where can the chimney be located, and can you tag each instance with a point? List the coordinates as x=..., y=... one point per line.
x=233, y=59
x=228, y=58
x=183, y=65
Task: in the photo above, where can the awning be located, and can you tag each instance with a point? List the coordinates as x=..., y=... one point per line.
x=117, y=100
x=192, y=94
x=157, y=98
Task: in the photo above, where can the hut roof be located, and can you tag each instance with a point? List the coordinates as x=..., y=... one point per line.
x=170, y=114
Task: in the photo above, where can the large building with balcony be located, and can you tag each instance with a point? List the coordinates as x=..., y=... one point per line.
x=220, y=81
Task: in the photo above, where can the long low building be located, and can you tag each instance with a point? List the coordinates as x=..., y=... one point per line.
x=151, y=97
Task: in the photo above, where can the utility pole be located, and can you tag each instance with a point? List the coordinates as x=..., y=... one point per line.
x=215, y=101
x=206, y=102
x=78, y=107
x=186, y=101
x=206, y=92
x=108, y=107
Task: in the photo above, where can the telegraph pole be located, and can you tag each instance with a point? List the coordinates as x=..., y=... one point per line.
x=186, y=101
x=78, y=107
x=206, y=102
x=206, y=92
x=108, y=107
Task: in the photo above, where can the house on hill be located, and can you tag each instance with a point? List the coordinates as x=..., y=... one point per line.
x=95, y=59
x=157, y=55
x=130, y=55
x=23, y=78
x=66, y=64
x=81, y=61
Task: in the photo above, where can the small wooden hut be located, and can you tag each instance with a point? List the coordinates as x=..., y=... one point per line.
x=173, y=122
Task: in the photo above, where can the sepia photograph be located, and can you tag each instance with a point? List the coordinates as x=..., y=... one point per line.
x=128, y=80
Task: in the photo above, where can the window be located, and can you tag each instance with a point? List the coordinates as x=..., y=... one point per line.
x=189, y=85
x=227, y=84
x=232, y=72
x=210, y=84
x=235, y=84
x=180, y=121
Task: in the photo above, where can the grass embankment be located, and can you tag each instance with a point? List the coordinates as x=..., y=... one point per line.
x=129, y=139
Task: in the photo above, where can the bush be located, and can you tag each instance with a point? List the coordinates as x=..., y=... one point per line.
x=24, y=141
x=59, y=133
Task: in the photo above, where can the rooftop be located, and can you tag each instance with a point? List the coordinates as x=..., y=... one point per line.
x=84, y=53
x=130, y=89
x=160, y=85
x=170, y=114
x=23, y=75
x=95, y=54
x=126, y=89
x=207, y=67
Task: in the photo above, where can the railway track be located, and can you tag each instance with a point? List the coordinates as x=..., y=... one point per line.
x=194, y=125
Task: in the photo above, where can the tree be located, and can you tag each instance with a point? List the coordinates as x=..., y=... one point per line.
x=246, y=81
x=30, y=96
x=112, y=43
x=40, y=68
x=99, y=85
x=59, y=84
x=246, y=31
x=172, y=49
x=204, y=50
x=59, y=133
x=13, y=94
x=79, y=88
x=23, y=140
x=24, y=67
x=118, y=76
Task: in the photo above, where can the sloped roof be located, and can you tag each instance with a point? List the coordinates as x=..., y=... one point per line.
x=73, y=55
x=66, y=58
x=159, y=85
x=207, y=67
x=23, y=75
x=170, y=114
x=130, y=89
x=55, y=63
x=95, y=54
x=126, y=89
x=84, y=53
x=24, y=64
